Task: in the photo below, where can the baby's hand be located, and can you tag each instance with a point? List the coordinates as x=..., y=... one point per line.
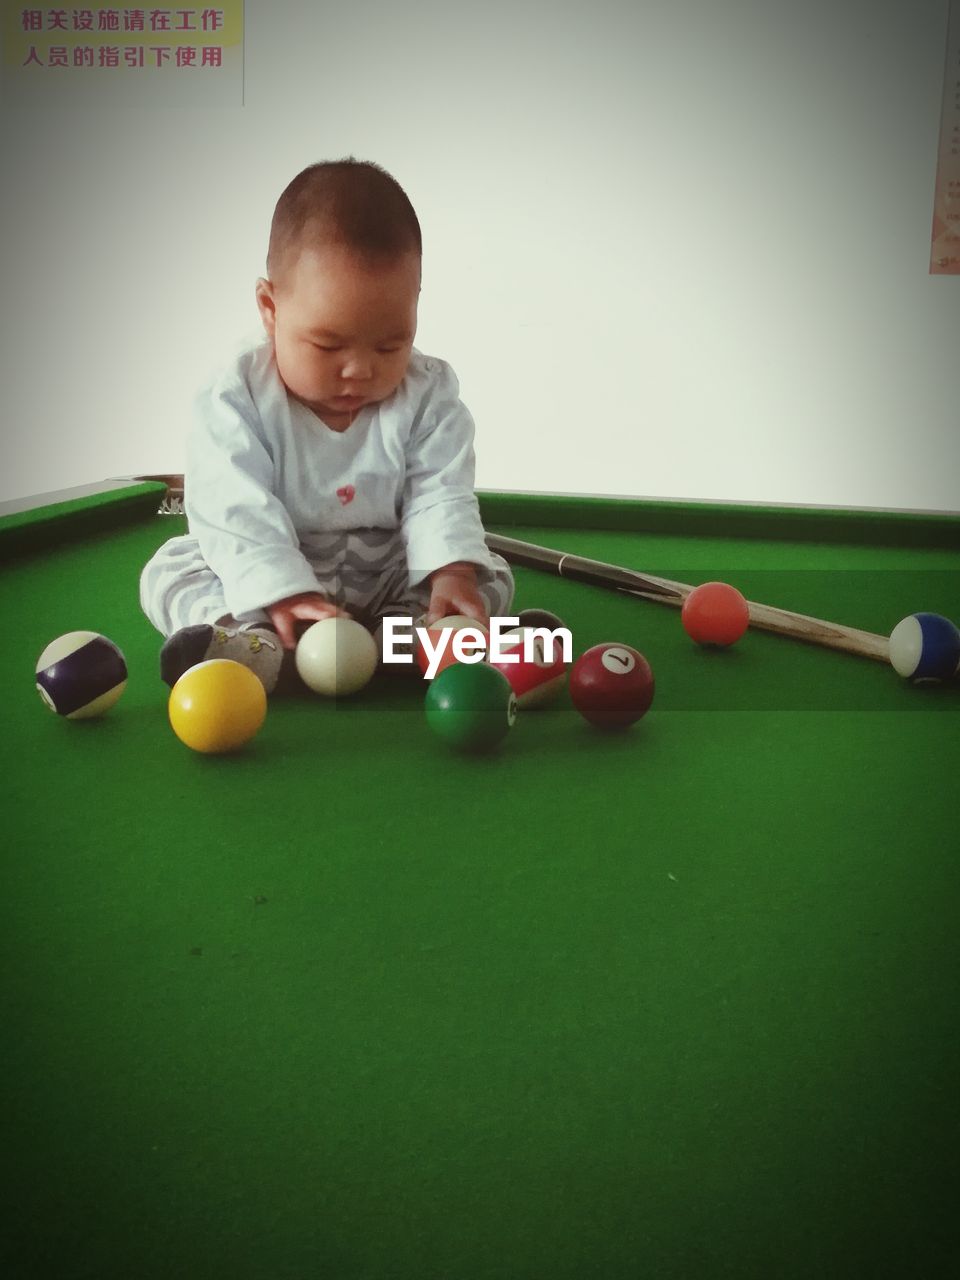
x=309, y=606
x=453, y=590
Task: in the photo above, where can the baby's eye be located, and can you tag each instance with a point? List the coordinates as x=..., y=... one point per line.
x=321, y=347
x=387, y=351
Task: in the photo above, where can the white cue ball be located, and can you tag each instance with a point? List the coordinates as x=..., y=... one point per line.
x=336, y=657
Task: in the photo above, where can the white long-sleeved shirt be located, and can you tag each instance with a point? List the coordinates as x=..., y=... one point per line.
x=265, y=477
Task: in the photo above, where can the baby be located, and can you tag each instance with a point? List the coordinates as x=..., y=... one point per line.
x=330, y=465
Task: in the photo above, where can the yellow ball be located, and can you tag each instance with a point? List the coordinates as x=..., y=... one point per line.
x=217, y=706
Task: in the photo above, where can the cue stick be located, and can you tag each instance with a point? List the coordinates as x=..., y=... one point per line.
x=830, y=635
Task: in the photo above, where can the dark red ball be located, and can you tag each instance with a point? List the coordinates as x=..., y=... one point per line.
x=612, y=685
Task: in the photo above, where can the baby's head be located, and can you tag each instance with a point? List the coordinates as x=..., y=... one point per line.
x=340, y=300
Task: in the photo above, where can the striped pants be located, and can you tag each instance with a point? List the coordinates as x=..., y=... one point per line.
x=364, y=571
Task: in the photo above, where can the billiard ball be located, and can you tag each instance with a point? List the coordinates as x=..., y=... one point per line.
x=539, y=618
x=925, y=647
x=611, y=685
x=470, y=707
x=81, y=675
x=217, y=706
x=336, y=657
x=715, y=613
x=455, y=622
x=537, y=682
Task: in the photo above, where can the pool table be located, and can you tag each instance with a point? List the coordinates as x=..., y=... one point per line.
x=679, y=1001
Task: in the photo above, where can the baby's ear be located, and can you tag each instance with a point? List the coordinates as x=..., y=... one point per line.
x=266, y=305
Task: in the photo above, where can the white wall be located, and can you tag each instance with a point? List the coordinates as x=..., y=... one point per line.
x=673, y=247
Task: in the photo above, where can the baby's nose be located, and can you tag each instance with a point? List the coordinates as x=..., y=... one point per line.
x=357, y=366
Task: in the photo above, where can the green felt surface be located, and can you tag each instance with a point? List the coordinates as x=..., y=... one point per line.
x=678, y=1002
x=31, y=525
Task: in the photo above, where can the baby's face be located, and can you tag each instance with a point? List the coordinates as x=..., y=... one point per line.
x=342, y=329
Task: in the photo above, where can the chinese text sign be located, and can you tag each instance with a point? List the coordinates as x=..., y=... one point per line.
x=55, y=54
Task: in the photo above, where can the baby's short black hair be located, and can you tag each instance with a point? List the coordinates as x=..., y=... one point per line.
x=352, y=203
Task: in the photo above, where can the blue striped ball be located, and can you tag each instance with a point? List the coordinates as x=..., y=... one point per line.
x=925, y=646
x=81, y=674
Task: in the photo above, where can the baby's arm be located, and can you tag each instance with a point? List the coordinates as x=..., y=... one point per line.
x=441, y=517
x=244, y=531
x=453, y=591
x=308, y=606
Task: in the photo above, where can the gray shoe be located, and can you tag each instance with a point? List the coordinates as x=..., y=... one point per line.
x=257, y=647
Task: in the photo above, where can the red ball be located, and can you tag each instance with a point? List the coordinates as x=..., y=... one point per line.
x=611, y=685
x=535, y=683
x=715, y=613
x=454, y=622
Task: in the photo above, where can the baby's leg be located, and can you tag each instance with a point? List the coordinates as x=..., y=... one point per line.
x=365, y=571
x=183, y=598
x=395, y=597
x=179, y=589
x=496, y=586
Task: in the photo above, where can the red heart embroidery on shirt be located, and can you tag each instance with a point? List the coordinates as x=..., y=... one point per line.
x=346, y=494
